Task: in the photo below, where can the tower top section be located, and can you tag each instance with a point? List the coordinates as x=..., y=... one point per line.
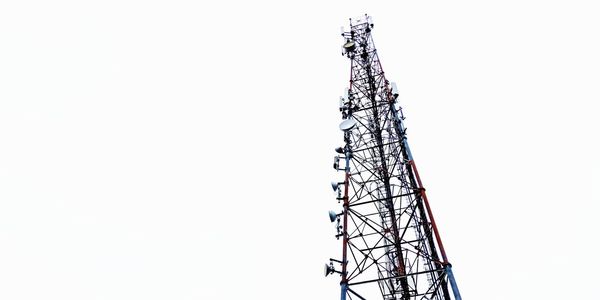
x=352, y=35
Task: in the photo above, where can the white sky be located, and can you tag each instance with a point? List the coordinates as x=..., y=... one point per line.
x=183, y=149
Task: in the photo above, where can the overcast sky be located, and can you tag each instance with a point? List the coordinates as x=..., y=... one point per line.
x=182, y=149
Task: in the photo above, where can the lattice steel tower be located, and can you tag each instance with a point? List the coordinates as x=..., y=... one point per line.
x=391, y=245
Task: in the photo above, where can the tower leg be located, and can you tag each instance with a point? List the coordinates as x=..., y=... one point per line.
x=453, y=282
x=344, y=290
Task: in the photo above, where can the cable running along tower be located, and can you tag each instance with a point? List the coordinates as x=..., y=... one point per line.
x=391, y=248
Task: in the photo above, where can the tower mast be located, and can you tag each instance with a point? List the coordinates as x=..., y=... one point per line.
x=390, y=242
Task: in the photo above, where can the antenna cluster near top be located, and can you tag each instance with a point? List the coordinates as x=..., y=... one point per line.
x=351, y=36
x=366, y=19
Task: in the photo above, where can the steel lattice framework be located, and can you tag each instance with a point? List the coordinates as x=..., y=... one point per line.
x=390, y=239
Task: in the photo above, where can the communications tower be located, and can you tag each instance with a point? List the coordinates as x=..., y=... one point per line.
x=391, y=248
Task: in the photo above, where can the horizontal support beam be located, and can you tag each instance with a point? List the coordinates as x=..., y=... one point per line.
x=395, y=277
x=385, y=199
